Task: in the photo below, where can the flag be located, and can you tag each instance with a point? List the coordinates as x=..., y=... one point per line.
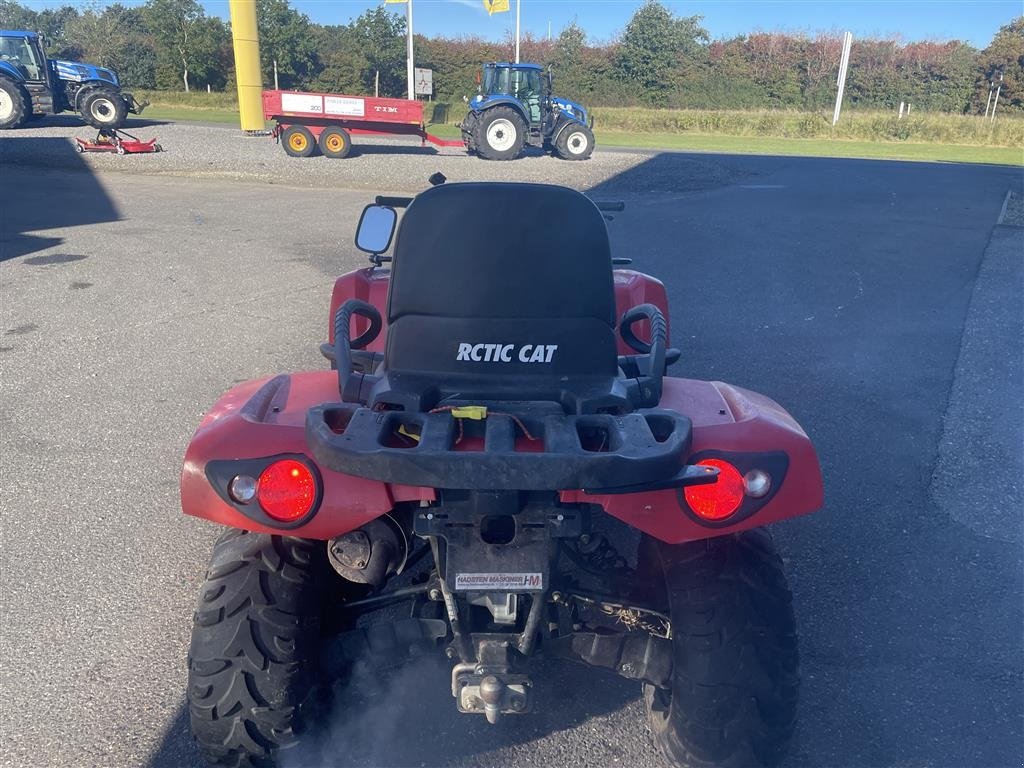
x=496, y=6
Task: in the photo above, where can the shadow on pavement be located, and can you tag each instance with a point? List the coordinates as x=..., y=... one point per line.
x=69, y=200
x=839, y=288
x=410, y=720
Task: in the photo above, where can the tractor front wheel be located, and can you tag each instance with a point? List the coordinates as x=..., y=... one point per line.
x=500, y=134
x=733, y=693
x=15, y=104
x=298, y=141
x=253, y=663
x=575, y=143
x=104, y=108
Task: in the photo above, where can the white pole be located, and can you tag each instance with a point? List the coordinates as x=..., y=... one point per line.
x=988, y=101
x=549, y=29
x=275, y=75
x=517, y=30
x=901, y=111
x=408, y=50
x=841, y=81
x=995, y=102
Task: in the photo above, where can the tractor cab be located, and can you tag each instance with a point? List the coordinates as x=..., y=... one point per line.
x=524, y=82
x=21, y=52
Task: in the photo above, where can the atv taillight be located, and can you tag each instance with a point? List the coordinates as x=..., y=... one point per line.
x=286, y=490
x=718, y=500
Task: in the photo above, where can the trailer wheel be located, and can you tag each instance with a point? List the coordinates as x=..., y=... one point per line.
x=104, y=108
x=15, y=104
x=298, y=141
x=335, y=142
x=575, y=143
x=500, y=134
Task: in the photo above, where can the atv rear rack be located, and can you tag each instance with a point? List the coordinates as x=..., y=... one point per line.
x=540, y=451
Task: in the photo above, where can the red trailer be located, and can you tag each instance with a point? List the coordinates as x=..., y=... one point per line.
x=307, y=122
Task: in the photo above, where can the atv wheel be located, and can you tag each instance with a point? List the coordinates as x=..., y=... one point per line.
x=335, y=142
x=734, y=688
x=104, y=108
x=575, y=143
x=253, y=662
x=500, y=134
x=15, y=104
x=298, y=141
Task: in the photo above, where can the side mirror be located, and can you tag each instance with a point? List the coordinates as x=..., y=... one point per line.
x=376, y=228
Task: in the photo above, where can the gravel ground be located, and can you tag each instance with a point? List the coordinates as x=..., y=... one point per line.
x=1013, y=211
x=223, y=152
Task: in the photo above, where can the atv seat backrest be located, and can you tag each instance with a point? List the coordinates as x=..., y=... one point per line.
x=501, y=292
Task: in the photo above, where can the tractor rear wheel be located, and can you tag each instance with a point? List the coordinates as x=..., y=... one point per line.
x=253, y=668
x=104, y=108
x=15, y=104
x=468, y=127
x=733, y=695
x=298, y=141
x=575, y=143
x=335, y=142
x=500, y=134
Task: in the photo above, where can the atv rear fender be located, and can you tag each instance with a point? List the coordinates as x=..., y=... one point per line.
x=632, y=289
x=267, y=418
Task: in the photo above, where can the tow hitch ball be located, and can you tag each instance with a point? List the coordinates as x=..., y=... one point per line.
x=491, y=694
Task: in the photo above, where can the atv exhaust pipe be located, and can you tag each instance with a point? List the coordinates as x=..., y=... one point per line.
x=369, y=555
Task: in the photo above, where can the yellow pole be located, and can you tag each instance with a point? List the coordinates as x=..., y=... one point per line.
x=245, y=38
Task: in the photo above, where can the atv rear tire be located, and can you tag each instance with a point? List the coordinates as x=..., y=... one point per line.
x=15, y=104
x=735, y=681
x=298, y=141
x=500, y=134
x=253, y=662
x=104, y=108
x=575, y=143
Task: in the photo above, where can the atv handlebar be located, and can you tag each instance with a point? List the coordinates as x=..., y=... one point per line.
x=350, y=383
x=649, y=381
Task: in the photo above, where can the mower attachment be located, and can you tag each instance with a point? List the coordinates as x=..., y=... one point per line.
x=117, y=141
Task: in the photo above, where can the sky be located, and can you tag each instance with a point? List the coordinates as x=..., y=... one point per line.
x=974, y=21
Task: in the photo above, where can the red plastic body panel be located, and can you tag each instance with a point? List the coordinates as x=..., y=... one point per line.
x=371, y=285
x=729, y=419
x=338, y=108
x=266, y=417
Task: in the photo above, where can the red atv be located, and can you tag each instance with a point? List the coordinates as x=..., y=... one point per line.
x=498, y=419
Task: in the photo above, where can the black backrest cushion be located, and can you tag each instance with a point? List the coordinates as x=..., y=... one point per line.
x=502, y=250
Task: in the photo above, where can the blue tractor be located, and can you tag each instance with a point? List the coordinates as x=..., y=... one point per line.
x=31, y=84
x=516, y=107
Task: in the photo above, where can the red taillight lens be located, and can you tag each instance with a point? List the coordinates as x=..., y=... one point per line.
x=720, y=499
x=286, y=490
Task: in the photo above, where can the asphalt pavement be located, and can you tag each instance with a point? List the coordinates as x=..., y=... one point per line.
x=877, y=301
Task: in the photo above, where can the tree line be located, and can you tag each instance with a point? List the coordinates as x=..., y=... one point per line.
x=660, y=59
